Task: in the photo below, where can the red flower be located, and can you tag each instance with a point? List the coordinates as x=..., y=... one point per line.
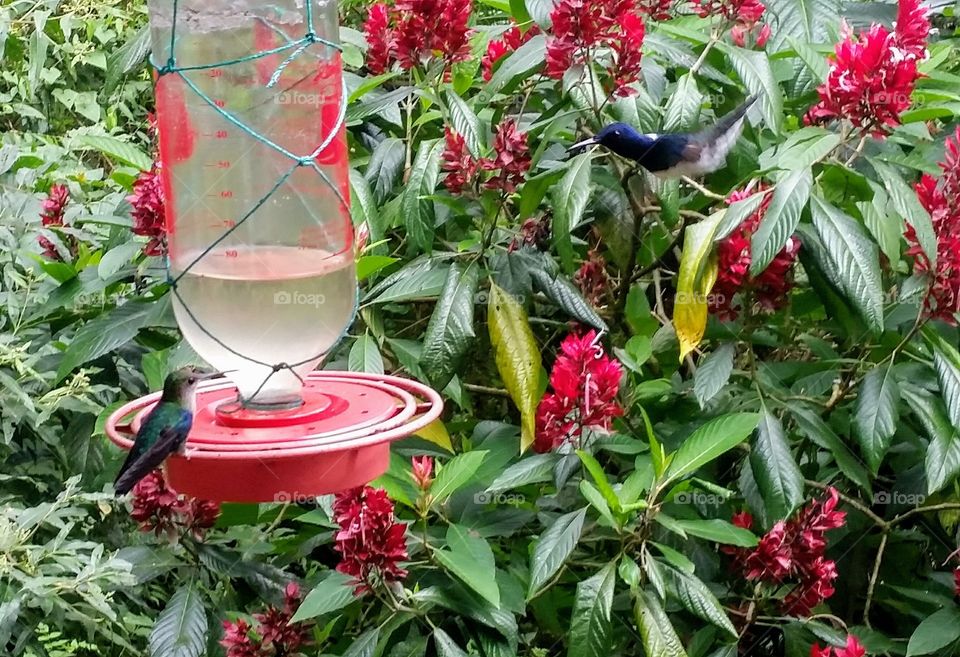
x=511, y=158
x=534, y=233
x=422, y=471
x=147, y=200
x=415, y=30
x=941, y=197
x=160, y=509
x=771, y=287
x=582, y=26
x=658, y=10
x=585, y=384
x=52, y=216
x=236, y=639
x=371, y=541
x=743, y=520
x=871, y=79
x=592, y=278
x=379, y=38
x=460, y=165
x=852, y=649
x=277, y=635
x=793, y=551
x=507, y=43
x=746, y=14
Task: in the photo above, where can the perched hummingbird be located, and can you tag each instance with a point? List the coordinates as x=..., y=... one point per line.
x=165, y=429
x=677, y=154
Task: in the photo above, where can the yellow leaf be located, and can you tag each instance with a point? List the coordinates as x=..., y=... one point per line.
x=517, y=356
x=698, y=273
x=436, y=433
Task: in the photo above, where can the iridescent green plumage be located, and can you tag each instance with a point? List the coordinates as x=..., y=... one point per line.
x=164, y=431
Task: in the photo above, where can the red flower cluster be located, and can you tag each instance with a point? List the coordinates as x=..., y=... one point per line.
x=275, y=634
x=940, y=197
x=507, y=43
x=871, y=79
x=585, y=384
x=592, y=278
x=160, y=509
x=414, y=30
x=511, y=160
x=534, y=233
x=422, y=471
x=771, y=287
x=852, y=649
x=371, y=541
x=580, y=27
x=148, y=210
x=658, y=10
x=745, y=14
x=794, y=551
x=51, y=216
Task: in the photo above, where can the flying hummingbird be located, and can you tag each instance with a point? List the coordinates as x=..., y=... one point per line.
x=675, y=154
x=165, y=429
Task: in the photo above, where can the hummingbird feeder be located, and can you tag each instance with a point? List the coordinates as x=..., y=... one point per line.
x=251, y=104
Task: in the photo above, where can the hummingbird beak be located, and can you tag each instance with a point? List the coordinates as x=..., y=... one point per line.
x=214, y=375
x=582, y=144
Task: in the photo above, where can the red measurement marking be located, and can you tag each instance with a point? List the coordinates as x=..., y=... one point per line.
x=220, y=103
x=221, y=134
x=226, y=194
x=230, y=253
x=222, y=164
x=216, y=73
x=226, y=223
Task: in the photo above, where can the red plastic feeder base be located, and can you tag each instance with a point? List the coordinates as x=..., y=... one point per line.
x=338, y=439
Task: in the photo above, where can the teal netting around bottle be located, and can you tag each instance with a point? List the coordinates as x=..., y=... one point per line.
x=295, y=48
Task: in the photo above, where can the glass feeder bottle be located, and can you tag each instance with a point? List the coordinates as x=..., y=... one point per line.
x=259, y=236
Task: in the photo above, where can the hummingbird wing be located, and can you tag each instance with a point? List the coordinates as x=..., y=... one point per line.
x=139, y=464
x=707, y=150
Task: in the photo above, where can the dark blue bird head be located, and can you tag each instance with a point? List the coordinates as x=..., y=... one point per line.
x=620, y=138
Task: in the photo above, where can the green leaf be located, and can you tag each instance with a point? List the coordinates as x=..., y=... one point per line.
x=696, y=598
x=446, y=646
x=466, y=124
x=450, y=330
x=710, y=441
x=365, y=645
x=713, y=373
x=553, y=547
x=517, y=357
x=333, y=592
x=115, y=149
x=107, y=332
x=365, y=356
x=181, y=628
x=946, y=360
x=534, y=469
x=753, y=67
x=595, y=498
x=937, y=631
x=563, y=293
x=596, y=473
x=127, y=57
x=525, y=58
x=470, y=558
x=942, y=463
x=570, y=196
x=418, y=210
x=363, y=207
x=591, y=626
x=775, y=470
x=657, y=633
x=876, y=414
x=385, y=166
x=419, y=279
x=810, y=21
x=780, y=220
x=698, y=273
x=736, y=214
x=908, y=206
x=854, y=258
x=683, y=107
x=455, y=474
x=813, y=426
x=718, y=531
x=801, y=149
